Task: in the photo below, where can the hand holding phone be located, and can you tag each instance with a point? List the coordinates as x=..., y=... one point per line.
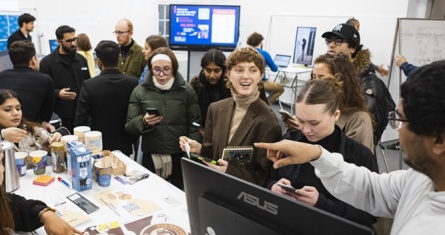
x=285, y=113
x=288, y=188
x=154, y=111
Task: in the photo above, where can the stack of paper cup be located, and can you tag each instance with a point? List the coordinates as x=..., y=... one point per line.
x=80, y=132
x=93, y=141
x=69, y=138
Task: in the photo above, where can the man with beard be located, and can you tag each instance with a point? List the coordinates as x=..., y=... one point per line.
x=415, y=198
x=131, y=59
x=26, y=24
x=68, y=69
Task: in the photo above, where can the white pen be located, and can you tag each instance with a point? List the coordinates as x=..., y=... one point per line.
x=187, y=148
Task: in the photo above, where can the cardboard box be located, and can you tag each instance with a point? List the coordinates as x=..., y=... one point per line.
x=79, y=166
x=119, y=168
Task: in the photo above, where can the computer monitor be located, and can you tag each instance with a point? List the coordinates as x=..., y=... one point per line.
x=53, y=45
x=304, y=45
x=219, y=203
x=282, y=60
x=5, y=61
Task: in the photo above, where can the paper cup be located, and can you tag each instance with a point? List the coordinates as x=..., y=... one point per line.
x=80, y=132
x=38, y=159
x=93, y=141
x=21, y=162
x=103, y=174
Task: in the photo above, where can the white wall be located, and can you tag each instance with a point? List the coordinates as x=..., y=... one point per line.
x=98, y=17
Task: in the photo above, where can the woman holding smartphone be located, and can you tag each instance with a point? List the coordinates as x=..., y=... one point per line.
x=164, y=91
x=317, y=110
x=241, y=120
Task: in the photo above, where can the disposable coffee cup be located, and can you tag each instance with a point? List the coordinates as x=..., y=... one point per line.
x=103, y=173
x=38, y=159
x=21, y=162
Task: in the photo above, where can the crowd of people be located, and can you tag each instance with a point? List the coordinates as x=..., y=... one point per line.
x=141, y=102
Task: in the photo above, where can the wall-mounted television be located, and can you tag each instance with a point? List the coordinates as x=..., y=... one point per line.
x=202, y=27
x=219, y=203
x=304, y=45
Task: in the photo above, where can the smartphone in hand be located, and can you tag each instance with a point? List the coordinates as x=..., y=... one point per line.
x=285, y=113
x=154, y=111
x=288, y=188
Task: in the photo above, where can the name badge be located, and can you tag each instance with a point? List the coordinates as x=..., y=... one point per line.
x=84, y=68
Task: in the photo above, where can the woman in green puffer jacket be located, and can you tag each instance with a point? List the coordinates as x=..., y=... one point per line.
x=166, y=90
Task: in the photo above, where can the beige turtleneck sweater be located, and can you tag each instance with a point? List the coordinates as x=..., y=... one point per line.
x=242, y=104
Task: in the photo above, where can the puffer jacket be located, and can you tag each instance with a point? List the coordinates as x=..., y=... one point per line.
x=378, y=98
x=179, y=108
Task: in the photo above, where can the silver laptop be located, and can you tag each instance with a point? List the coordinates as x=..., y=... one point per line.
x=282, y=60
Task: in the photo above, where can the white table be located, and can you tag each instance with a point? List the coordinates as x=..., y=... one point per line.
x=292, y=82
x=170, y=201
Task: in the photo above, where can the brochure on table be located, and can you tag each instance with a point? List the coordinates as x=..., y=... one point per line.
x=116, y=207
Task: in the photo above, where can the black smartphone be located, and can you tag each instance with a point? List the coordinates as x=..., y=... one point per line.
x=154, y=111
x=200, y=158
x=288, y=188
x=285, y=113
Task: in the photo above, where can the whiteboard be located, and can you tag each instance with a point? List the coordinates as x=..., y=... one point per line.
x=421, y=41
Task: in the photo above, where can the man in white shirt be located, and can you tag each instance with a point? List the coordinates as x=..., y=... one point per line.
x=415, y=198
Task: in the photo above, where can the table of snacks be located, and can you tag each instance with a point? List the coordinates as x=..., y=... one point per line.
x=148, y=206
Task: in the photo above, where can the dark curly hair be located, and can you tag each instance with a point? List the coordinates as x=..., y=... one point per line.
x=423, y=100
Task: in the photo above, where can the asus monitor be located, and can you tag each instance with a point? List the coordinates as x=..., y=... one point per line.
x=219, y=203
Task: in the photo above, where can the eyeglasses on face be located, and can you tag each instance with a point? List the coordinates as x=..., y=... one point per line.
x=70, y=41
x=166, y=71
x=337, y=41
x=119, y=33
x=395, y=121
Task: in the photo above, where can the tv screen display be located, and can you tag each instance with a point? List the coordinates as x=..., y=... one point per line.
x=219, y=203
x=201, y=27
x=304, y=45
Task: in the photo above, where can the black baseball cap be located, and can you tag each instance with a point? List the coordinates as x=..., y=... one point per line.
x=344, y=31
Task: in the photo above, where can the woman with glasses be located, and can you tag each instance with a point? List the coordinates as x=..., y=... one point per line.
x=241, y=120
x=317, y=111
x=210, y=84
x=165, y=90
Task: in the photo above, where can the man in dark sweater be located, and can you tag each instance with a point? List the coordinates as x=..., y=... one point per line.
x=36, y=89
x=26, y=24
x=103, y=101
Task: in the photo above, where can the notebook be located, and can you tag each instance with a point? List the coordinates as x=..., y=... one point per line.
x=282, y=60
x=239, y=156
